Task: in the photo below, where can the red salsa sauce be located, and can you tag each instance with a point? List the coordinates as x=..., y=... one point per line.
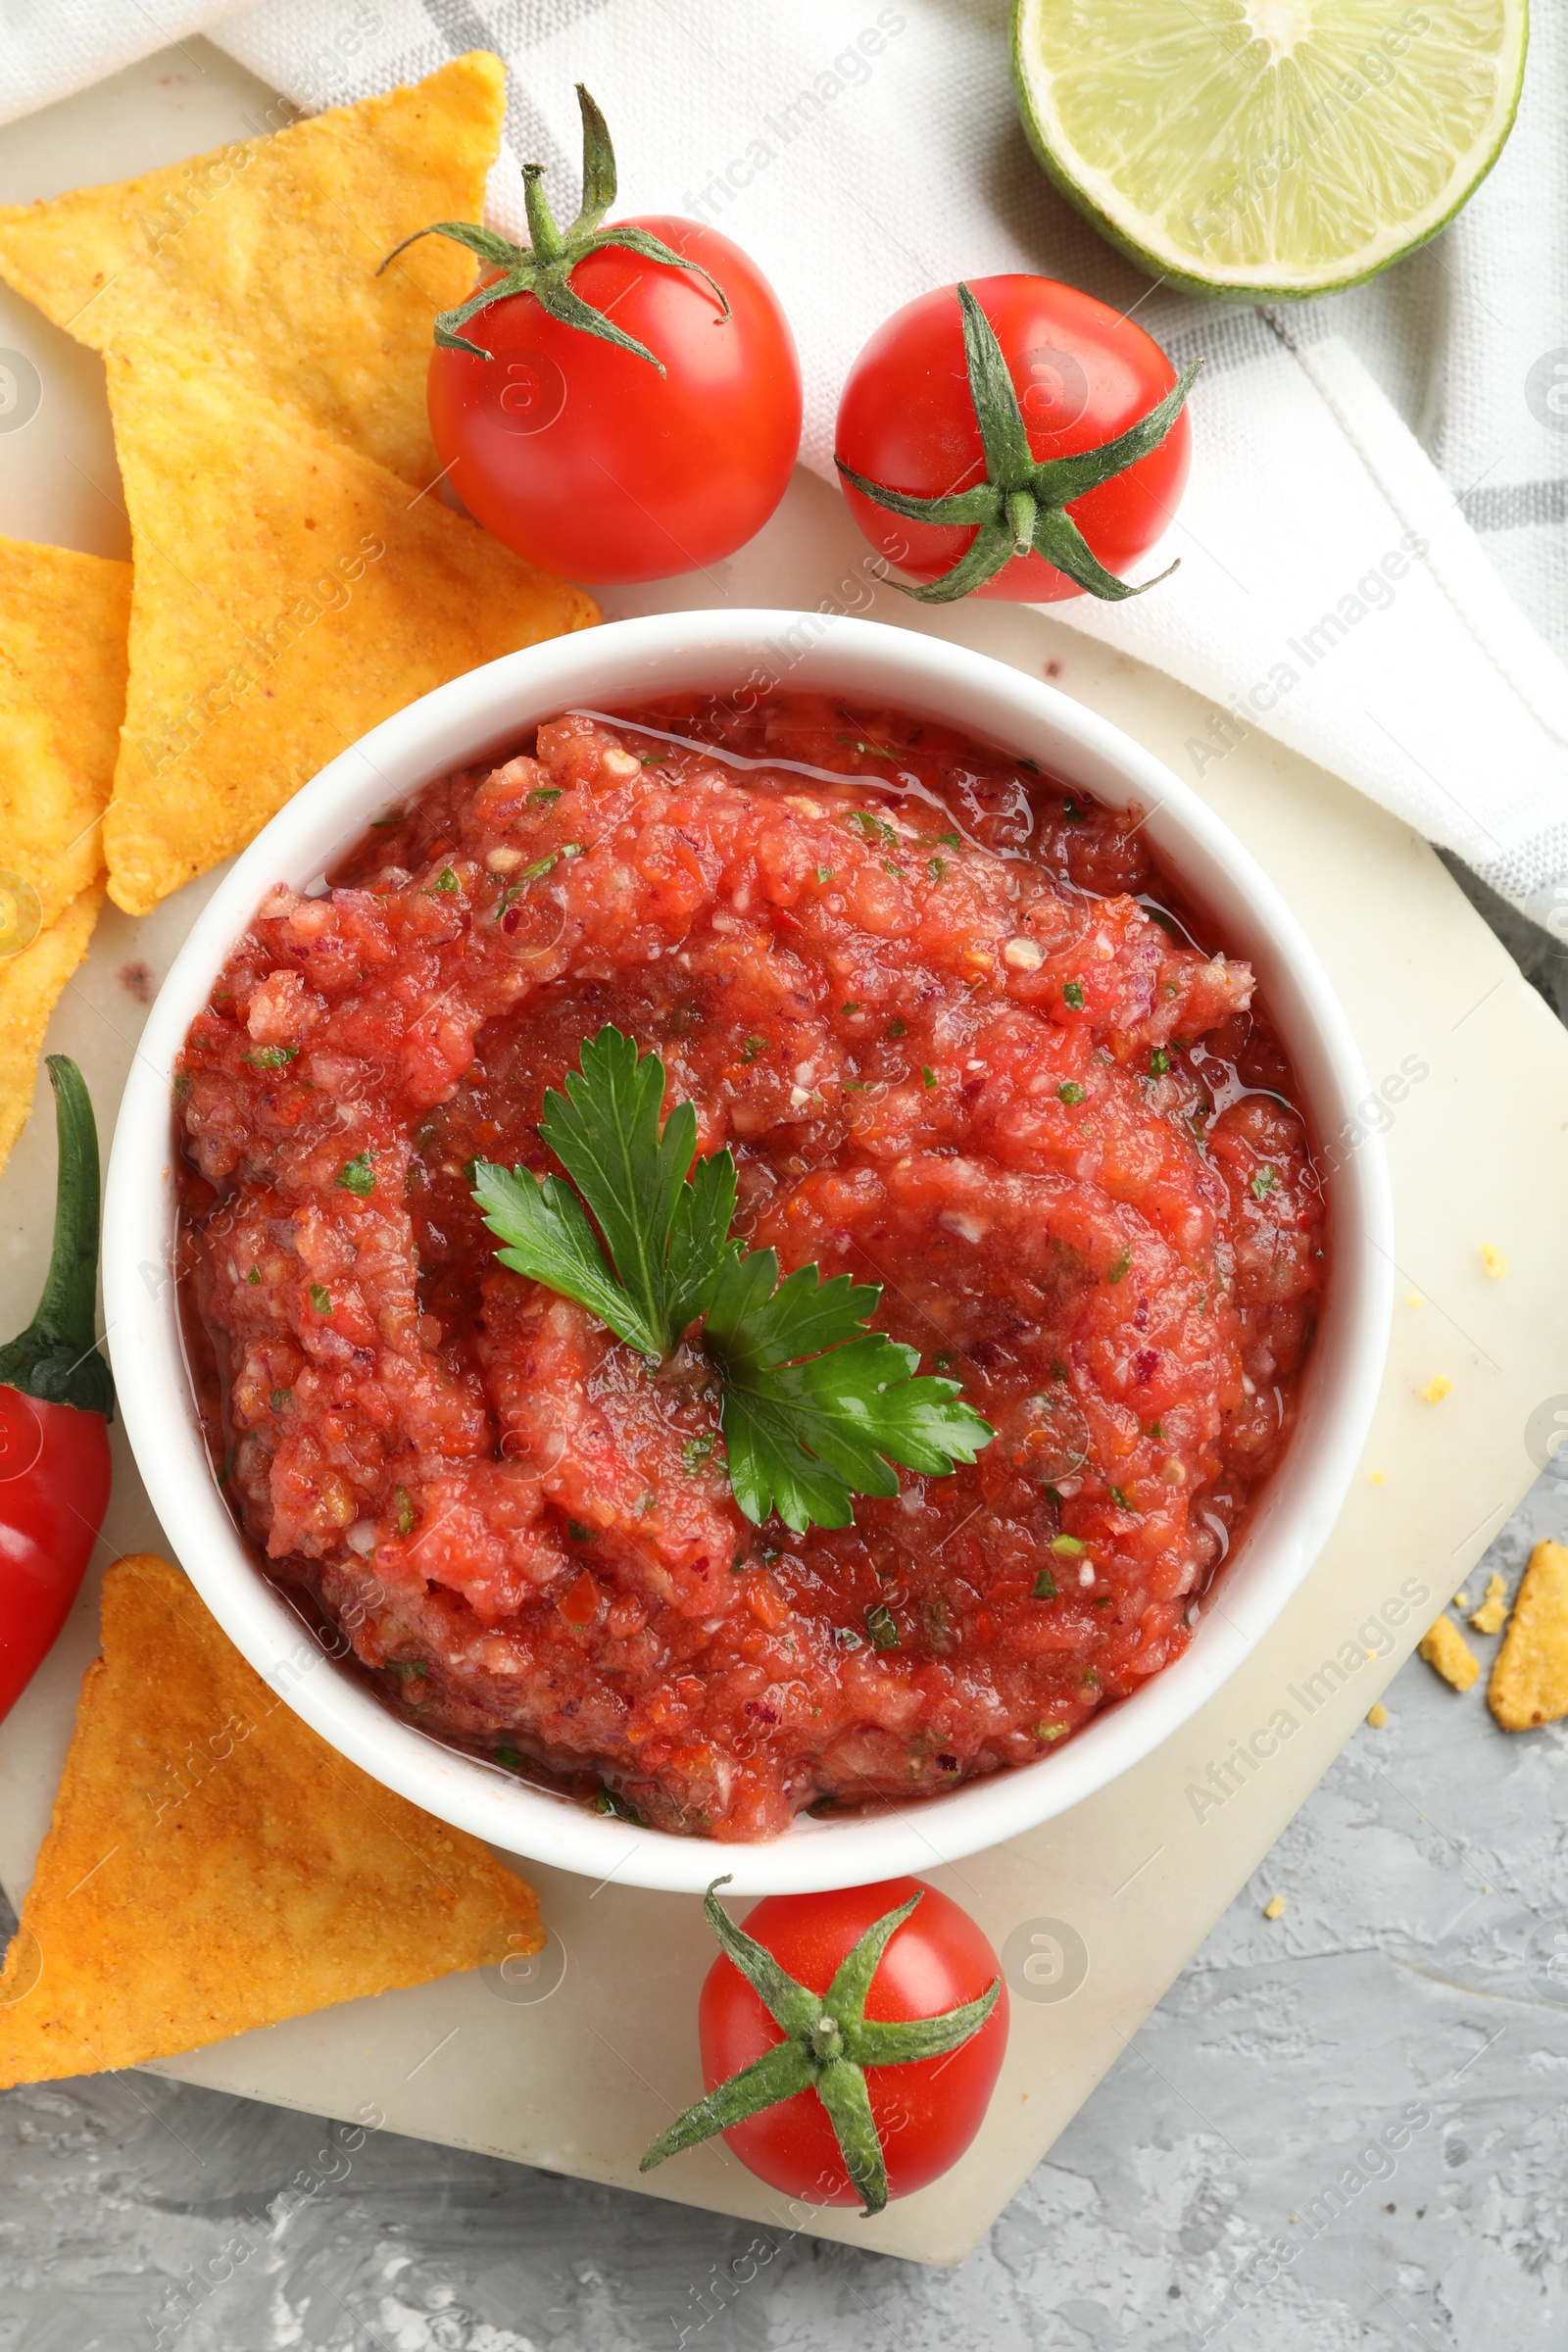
x=965, y=1040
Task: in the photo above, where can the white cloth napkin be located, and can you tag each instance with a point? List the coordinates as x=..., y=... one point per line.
x=1372, y=542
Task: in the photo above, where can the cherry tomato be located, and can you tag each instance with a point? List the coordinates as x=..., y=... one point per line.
x=926, y=2112
x=1082, y=376
x=583, y=458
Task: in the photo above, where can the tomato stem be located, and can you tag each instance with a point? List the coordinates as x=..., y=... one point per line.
x=56, y=1358
x=1021, y=511
x=1021, y=507
x=543, y=268
x=547, y=242
x=828, y=2043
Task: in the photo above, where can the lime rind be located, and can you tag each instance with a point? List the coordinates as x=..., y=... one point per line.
x=1338, y=136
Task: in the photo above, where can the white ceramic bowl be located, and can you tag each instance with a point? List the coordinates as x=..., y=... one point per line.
x=616, y=664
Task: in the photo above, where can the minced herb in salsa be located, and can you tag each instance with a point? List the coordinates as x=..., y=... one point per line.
x=965, y=1040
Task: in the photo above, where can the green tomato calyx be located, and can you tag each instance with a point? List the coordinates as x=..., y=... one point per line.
x=543, y=267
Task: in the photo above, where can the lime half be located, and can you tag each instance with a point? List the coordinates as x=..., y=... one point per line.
x=1268, y=147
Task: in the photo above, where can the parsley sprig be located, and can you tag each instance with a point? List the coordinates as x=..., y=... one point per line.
x=814, y=1405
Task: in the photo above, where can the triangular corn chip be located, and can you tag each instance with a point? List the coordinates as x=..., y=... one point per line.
x=290, y=594
x=29, y=983
x=267, y=253
x=63, y=623
x=213, y=1865
x=1529, y=1683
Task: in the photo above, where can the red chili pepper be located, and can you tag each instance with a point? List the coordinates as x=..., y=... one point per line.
x=56, y=1402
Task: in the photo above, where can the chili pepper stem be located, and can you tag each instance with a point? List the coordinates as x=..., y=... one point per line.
x=56, y=1358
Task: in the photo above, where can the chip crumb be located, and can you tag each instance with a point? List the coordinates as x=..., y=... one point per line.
x=1274, y=1908
x=1493, y=1614
x=1376, y=1478
x=1496, y=1264
x=1445, y=1649
x=1437, y=1388
x=1530, y=1675
x=1461, y=1599
x=1414, y=1299
x=1377, y=1716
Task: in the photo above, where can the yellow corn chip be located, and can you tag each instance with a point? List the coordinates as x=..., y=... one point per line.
x=1493, y=1613
x=63, y=623
x=213, y=1865
x=289, y=595
x=267, y=253
x=29, y=983
x=1530, y=1673
x=1448, y=1653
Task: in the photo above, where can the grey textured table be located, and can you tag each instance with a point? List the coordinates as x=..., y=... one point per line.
x=1231, y=2179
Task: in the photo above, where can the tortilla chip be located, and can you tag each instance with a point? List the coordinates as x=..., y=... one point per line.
x=29, y=983
x=1445, y=1649
x=213, y=1865
x=1530, y=1675
x=267, y=253
x=63, y=623
x=290, y=594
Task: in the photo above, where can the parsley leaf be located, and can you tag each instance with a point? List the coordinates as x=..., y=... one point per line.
x=520, y=882
x=605, y=1131
x=549, y=1239
x=698, y=1238
x=882, y=1627
x=814, y=1405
